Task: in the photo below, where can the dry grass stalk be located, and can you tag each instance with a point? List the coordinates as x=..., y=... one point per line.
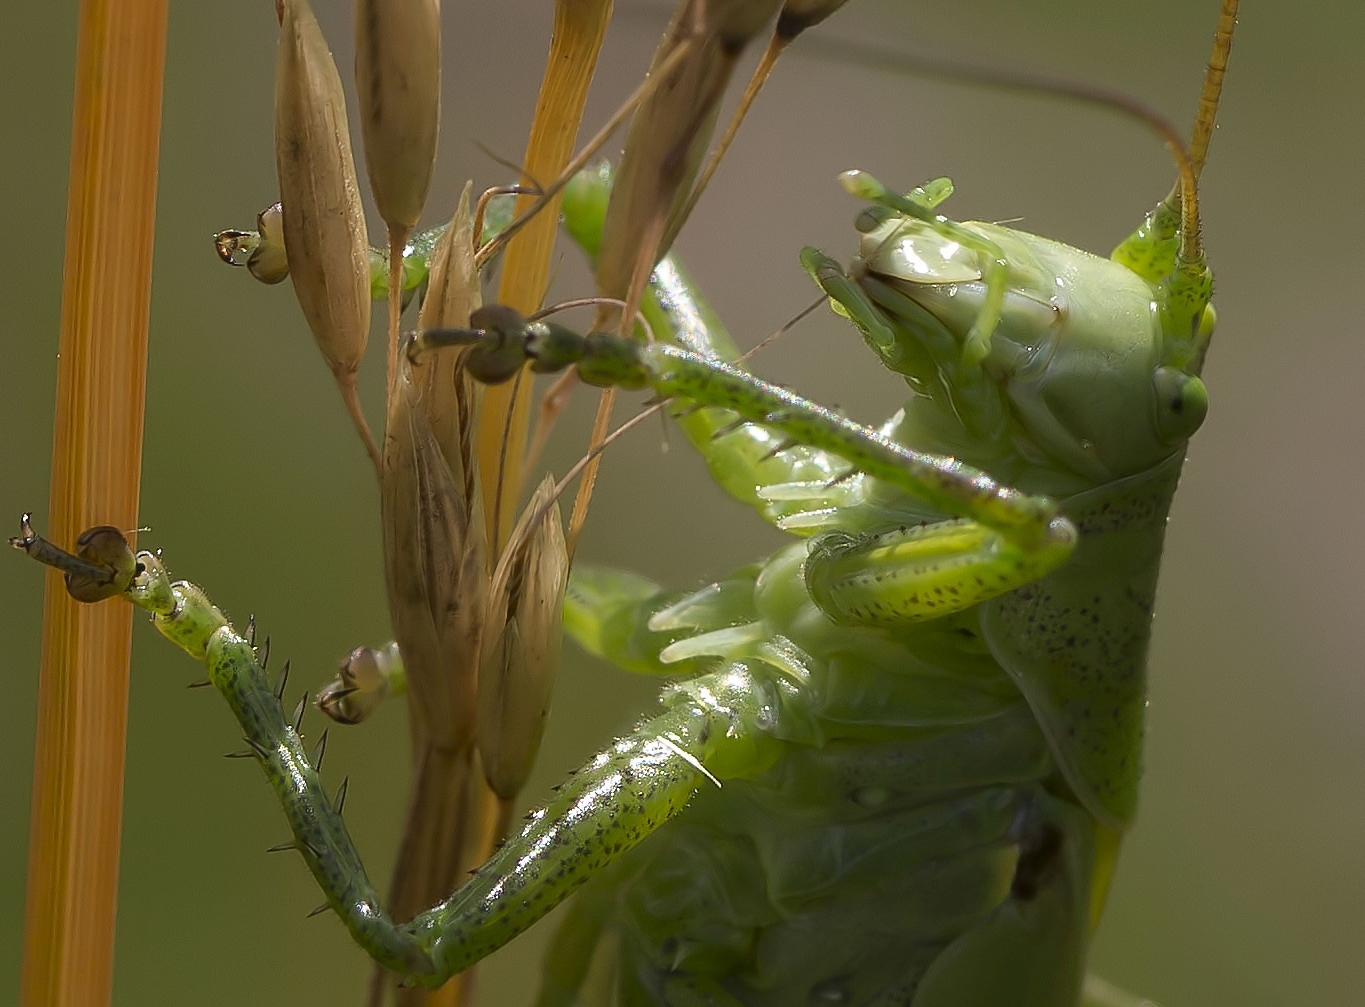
x=96, y=468
x=398, y=83
x=664, y=147
x=324, y=224
x=436, y=569
x=669, y=133
x=795, y=17
x=579, y=26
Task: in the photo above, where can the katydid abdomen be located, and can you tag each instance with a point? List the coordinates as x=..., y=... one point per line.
x=904, y=820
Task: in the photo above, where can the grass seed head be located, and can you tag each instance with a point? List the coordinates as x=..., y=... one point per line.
x=435, y=566
x=669, y=132
x=323, y=223
x=521, y=644
x=398, y=81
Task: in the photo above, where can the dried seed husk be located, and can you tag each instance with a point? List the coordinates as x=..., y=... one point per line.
x=794, y=18
x=435, y=567
x=323, y=223
x=367, y=677
x=668, y=134
x=521, y=645
x=436, y=573
x=398, y=83
x=452, y=286
x=435, y=542
x=450, y=400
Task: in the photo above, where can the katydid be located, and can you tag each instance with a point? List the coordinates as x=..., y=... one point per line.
x=899, y=754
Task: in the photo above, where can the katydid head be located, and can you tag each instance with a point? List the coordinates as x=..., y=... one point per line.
x=1026, y=351
x=1078, y=370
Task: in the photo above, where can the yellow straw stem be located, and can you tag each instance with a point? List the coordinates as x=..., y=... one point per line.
x=96, y=467
x=579, y=26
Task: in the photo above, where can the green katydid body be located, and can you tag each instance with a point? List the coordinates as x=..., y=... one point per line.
x=933, y=811
x=900, y=752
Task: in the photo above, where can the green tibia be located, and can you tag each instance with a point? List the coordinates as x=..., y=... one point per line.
x=184, y=615
x=711, y=733
x=1011, y=538
x=671, y=371
x=714, y=732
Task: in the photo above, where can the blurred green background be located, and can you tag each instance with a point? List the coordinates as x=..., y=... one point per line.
x=1243, y=884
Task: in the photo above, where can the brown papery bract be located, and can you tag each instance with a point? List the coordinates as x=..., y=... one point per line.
x=398, y=84
x=450, y=400
x=435, y=566
x=521, y=642
x=323, y=222
x=398, y=81
x=668, y=136
x=436, y=572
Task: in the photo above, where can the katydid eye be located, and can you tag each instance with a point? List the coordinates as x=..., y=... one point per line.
x=1182, y=402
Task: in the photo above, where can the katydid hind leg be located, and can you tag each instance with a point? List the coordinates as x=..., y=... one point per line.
x=710, y=731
